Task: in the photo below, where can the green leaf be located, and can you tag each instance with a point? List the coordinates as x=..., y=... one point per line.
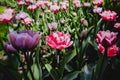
x=35, y=71
x=3, y=29
x=66, y=58
x=2, y=9
x=52, y=72
x=71, y=55
x=71, y=76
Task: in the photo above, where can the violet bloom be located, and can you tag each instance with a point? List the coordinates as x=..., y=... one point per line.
x=24, y=40
x=9, y=47
x=21, y=16
x=52, y=26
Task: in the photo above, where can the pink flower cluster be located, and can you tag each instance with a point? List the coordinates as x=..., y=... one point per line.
x=107, y=39
x=109, y=15
x=7, y=15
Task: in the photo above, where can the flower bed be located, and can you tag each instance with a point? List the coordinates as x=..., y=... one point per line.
x=59, y=40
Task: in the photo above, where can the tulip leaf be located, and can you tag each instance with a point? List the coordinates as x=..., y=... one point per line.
x=3, y=29
x=1, y=54
x=35, y=72
x=2, y=9
x=71, y=76
x=52, y=72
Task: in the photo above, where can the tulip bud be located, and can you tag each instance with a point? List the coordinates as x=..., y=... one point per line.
x=62, y=22
x=84, y=22
x=52, y=26
x=83, y=33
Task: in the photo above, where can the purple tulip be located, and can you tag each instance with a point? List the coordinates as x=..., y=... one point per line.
x=24, y=40
x=9, y=47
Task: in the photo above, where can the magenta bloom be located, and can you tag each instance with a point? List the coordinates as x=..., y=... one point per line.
x=117, y=25
x=52, y=26
x=106, y=38
x=109, y=15
x=32, y=7
x=58, y=40
x=24, y=40
x=111, y=52
x=9, y=47
x=98, y=2
x=7, y=15
x=54, y=8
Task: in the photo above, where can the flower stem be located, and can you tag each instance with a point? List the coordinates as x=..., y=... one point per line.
x=24, y=72
x=28, y=65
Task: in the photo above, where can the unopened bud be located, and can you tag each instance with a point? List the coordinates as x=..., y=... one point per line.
x=84, y=22
x=83, y=33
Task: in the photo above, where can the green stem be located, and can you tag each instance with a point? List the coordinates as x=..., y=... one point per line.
x=24, y=71
x=28, y=65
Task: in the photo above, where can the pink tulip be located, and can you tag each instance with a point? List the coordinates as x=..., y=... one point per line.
x=109, y=15
x=7, y=15
x=111, y=52
x=117, y=25
x=32, y=7
x=106, y=38
x=54, y=8
x=27, y=21
x=98, y=2
x=58, y=40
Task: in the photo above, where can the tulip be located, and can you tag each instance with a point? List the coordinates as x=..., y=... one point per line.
x=54, y=8
x=27, y=21
x=98, y=2
x=117, y=25
x=9, y=47
x=111, y=52
x=21, y=16
x=52, y=26
x=24, y=40
x=32, y=7
x=106, y=38
x=7, y=15
x=97, y=10
x=109, y=15
x=59, y=40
